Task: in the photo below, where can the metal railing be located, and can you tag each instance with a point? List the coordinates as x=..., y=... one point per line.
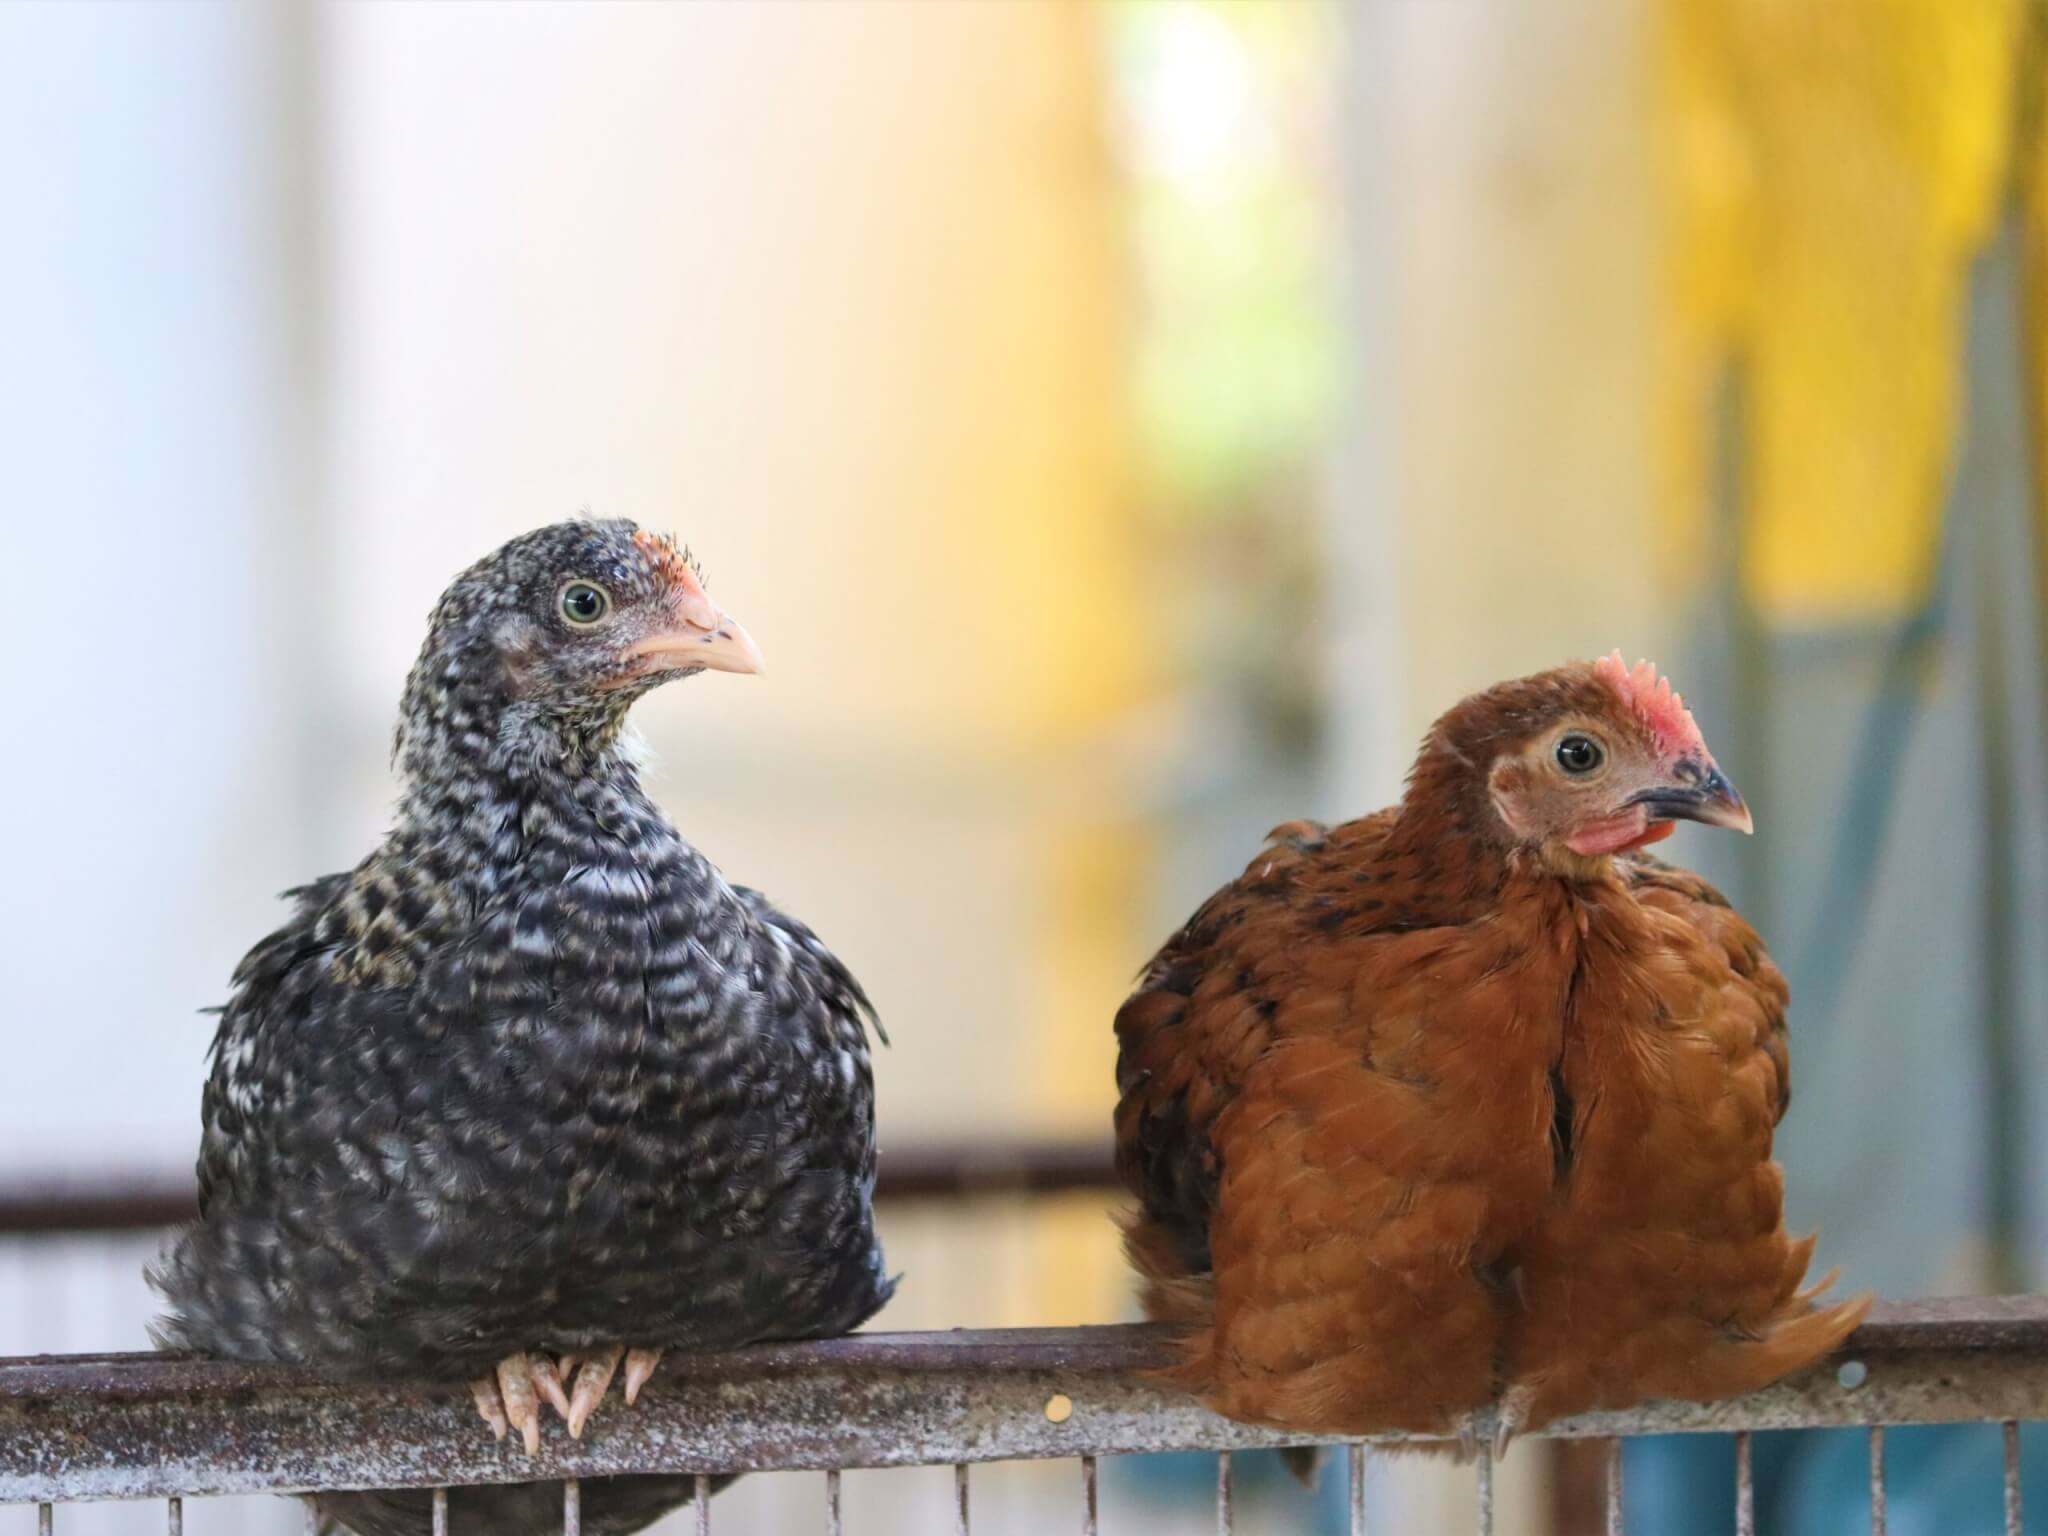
x=934, y=1170
x=156, y=1427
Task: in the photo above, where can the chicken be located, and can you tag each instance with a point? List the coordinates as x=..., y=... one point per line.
x=531, y=1094
x=1464, y=1109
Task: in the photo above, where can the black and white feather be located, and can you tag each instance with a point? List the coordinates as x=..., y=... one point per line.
x=533, y=1075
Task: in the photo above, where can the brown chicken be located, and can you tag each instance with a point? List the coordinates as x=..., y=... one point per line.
x=1467, y=1105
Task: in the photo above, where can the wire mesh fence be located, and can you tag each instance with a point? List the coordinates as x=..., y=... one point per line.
x=139, y=1427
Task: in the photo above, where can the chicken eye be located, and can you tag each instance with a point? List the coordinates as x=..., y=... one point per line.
x=1578, y=754
x=584, y=603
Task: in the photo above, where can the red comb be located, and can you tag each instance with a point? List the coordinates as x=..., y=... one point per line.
x=1655, y=702
x=678, y=565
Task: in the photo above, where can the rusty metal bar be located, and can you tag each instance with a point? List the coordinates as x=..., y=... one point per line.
x=1878, y=1515
x=833, y=1524
x=1088, y=1496
x=1226, y=1501
x=572, y=1507
x=1745, y=1487
x=1357, y=1460
x=2012, y=1480
x=700, y=1502
x=1611, y=1488
x=937, y=1170
x=440, y=1516
x=960, y=1510
x=142, y=1426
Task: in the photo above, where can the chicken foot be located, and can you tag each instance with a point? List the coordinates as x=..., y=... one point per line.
x=573, y=1386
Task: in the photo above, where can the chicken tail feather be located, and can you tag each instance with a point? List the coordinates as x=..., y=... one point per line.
x=1790, y=1344
x=1805, y=1296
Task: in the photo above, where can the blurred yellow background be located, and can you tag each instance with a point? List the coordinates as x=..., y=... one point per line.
x=1124, y=424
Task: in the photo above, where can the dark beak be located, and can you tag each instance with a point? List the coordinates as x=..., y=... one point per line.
x=1707, y=797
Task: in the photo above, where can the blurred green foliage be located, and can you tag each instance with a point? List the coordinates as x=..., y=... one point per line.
x=1224, y=114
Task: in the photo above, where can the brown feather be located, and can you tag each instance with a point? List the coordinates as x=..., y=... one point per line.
x=1420, y=1121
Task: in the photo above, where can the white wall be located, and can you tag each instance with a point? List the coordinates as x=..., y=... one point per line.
x=152, y=385
x=154, y=351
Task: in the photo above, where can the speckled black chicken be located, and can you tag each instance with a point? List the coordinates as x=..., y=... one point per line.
x=532, y=1091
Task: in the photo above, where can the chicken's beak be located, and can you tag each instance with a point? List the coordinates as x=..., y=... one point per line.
x=1703, y=794
x=702, y=636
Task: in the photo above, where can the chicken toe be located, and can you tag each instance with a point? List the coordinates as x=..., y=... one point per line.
x=1509, y=1418
x=591, y=1382
x=1466, y=1447
x=549, y=1377
x=488, y=1404
x=640, y=1364
x=522, y=1403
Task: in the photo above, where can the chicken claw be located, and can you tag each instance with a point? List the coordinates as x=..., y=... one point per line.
x=1509, y=1418
x=485, y=1390
x=572, y=1384
x=548, y=1378
x=594, y=1378
x=510, y=1399
x=591, y=1381
x=640, y=1364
